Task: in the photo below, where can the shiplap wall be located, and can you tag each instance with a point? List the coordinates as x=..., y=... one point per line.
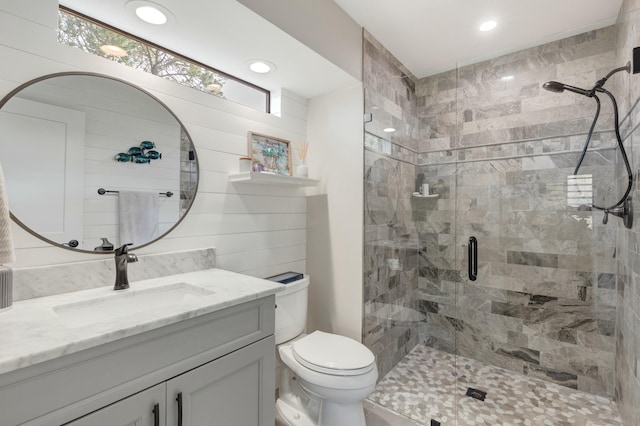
x=115, y=125
x=257, y=230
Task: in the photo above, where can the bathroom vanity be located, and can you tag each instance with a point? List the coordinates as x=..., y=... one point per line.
x=176, y=350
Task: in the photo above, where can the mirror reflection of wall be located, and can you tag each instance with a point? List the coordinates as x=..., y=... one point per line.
x=62, y=135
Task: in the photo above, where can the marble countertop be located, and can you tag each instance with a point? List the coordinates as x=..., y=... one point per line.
x=32, y=331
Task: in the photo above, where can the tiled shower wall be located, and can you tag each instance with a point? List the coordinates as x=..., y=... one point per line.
x=543, y=304
x=628, y=318
x=498, y=149
x=390, y=246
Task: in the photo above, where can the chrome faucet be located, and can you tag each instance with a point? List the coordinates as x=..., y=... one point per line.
x=122, y=258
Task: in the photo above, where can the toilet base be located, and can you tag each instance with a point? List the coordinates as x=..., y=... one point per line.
x=331, y=414
x=288, y=415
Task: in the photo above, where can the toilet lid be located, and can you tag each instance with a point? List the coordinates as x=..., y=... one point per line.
x=332, y=354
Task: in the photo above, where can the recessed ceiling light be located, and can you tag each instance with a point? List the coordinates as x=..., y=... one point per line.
x=214, y=87
x=150, y=12
x=261, y=66
x=507, y=78
x=488, y=26
x=389, y=129
x=112, y=50
x=151, y=15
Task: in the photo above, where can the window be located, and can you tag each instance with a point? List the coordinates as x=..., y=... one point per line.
x=580, y=196
x=90, y=35
x=579, y=190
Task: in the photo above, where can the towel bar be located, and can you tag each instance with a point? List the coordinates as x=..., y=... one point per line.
x=103, y=191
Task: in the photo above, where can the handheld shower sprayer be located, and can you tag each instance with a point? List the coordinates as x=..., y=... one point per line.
x=623, y=208
x=556, y=87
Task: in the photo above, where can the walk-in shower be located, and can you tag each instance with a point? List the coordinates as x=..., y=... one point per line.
x=531, y=320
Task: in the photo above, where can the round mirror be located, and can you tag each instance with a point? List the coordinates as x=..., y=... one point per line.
x=92, y=162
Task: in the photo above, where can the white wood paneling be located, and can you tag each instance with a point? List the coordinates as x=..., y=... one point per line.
x=37, y=11
x=257, y=230
x=252, y=259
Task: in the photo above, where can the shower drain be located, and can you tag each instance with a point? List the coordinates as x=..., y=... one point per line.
x=473, y=393
x=477, y=394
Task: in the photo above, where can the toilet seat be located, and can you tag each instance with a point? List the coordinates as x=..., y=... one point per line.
x=333, y=354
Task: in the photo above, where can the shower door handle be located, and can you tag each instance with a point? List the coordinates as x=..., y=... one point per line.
x=473, y=258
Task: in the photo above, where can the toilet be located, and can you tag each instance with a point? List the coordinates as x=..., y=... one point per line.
x=324, y=377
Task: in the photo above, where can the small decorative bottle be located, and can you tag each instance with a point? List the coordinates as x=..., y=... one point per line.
x=244, y=165
x=302, y=170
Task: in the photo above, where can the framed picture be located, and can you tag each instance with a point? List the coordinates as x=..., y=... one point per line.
x=269, y=154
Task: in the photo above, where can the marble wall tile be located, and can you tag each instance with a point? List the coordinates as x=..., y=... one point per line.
x=492, y=110
x=498, y=154
x=535, y=259
x=390, y=94
x=540, y=259
x=390, y=257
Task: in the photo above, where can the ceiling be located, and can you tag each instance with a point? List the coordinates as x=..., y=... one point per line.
x=427, y=36
x=432, y=36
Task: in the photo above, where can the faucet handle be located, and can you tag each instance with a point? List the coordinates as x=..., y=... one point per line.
x=122, y=249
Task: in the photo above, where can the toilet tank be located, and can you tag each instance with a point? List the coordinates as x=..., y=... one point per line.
x=291, y=310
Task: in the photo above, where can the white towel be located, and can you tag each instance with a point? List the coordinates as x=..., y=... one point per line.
x=138, y=213
x=6, y=242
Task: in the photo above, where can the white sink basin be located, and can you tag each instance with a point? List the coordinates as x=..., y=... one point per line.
x=128, y=303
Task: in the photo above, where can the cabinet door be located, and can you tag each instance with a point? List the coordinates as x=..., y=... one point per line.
x=236, y=389
x=136, y=410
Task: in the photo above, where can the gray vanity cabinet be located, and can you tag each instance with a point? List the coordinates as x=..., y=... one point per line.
x=228, y=391
x=222, y=364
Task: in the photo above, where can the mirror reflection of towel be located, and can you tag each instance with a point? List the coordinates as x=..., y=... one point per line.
x=138, y=214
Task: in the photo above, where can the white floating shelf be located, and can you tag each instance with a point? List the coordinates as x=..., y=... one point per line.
x=269, y=179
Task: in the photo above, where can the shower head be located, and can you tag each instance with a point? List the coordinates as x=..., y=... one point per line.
x=556, y=87
x=553, y=86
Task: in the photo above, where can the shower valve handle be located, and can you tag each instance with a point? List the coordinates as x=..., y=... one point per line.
x=618, y=211
x=625, y=212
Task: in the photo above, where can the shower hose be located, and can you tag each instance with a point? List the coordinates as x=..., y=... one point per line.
x=623, y=153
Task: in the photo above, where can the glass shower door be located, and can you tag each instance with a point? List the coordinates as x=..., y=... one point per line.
x=539, y=303
x=498, y=153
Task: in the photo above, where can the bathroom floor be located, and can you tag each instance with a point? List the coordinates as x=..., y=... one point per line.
x=423, y=387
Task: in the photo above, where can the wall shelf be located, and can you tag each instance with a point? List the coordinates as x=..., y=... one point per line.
x=269, y=179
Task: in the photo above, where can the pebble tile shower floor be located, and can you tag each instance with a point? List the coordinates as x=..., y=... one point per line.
x=423, y=387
